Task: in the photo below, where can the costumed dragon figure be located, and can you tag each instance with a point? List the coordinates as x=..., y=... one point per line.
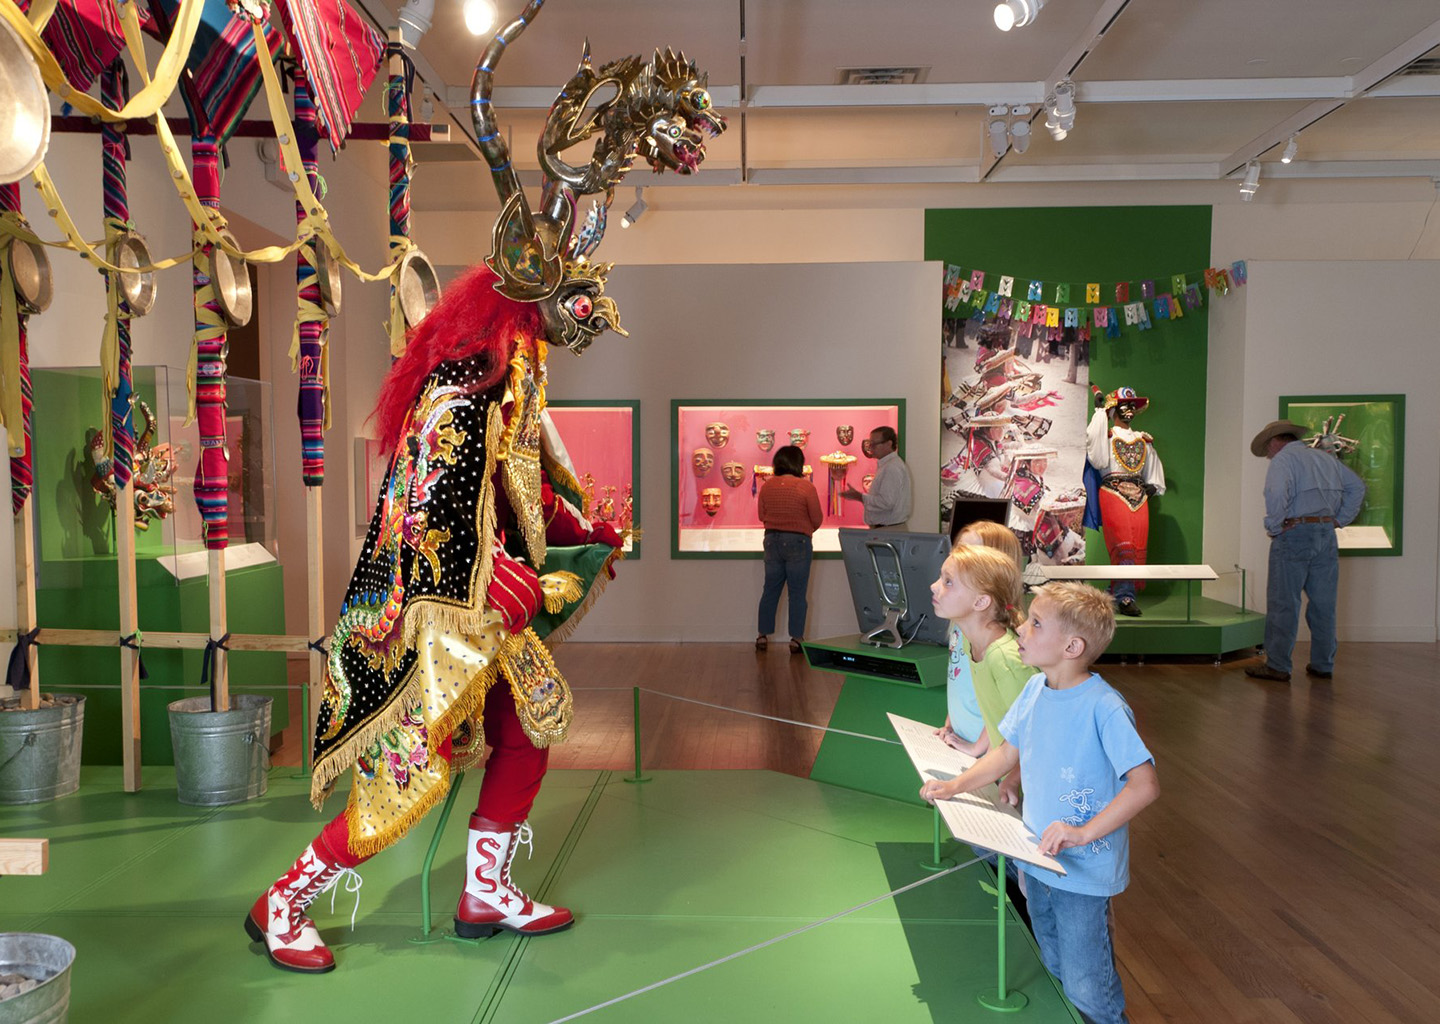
x=482, y=553
x=153, y=474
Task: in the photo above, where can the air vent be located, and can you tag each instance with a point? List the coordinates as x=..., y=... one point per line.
x=882, y=76
x=1422, y=66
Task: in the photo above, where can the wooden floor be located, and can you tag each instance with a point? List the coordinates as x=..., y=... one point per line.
x=1287, y=873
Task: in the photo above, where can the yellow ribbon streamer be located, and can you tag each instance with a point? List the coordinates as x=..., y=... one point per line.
x=12, y=411
x=40, y=13
x=75, y=241
x=144, y=103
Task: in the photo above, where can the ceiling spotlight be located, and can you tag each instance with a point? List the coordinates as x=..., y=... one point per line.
x=999, y=129
x=1251, y=184
x=479, y=16
x=1016, y=13
x=637, y=211
x=1290, y=149
x=1060, y=110
x=1020, y=128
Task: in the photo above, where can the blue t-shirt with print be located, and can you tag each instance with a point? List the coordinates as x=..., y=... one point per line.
x=1074, y=747
x=964, y=709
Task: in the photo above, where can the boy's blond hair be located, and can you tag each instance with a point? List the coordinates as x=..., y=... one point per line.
x=994, y=535
x=1081, y=610
x=990, y=571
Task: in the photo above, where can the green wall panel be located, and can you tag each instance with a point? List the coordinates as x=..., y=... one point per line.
x=1167, y=364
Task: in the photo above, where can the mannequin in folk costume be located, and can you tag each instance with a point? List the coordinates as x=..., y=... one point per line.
x=1130, y=473
x=480, y=554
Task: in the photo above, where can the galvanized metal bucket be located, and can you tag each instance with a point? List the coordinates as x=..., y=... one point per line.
x=221, y=757
x=40, y=751
x=46, y=959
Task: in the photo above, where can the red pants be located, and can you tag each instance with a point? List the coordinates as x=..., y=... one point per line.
x=1127, y=533
x=513, y=774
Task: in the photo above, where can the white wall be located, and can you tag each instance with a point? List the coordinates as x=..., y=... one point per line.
x=1329, y=327
x=744, y=319
x=767, y=332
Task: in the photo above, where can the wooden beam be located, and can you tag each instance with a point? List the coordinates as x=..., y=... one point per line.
x=25, y=594
x=56, y=637
x=315, y=615
x=220, y=684
x=24, y=856
x=361, y=131
x=129, y=625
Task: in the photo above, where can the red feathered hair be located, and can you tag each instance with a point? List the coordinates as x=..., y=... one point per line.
x=471, y=318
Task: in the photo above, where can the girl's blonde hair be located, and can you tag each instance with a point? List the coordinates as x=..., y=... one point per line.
x=991, y=572
x=995, y=535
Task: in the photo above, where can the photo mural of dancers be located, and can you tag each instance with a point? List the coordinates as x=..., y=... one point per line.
x=1129, y=474
x=1013, y=411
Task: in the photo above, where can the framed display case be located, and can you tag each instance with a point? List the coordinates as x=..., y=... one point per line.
x=1367, y=433
x=720, y=456
x=603, y=439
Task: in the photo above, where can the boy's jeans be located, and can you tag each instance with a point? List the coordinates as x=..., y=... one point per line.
x=1073, y=931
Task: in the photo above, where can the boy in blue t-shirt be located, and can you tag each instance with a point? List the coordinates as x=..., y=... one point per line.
x=1087, y=773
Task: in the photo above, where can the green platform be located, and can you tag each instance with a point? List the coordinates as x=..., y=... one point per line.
x=664, y=877
x=909, y=682
x=1212, y=627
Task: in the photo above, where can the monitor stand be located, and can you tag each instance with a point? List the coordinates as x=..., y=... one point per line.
x=887, y=634
x=890, y=582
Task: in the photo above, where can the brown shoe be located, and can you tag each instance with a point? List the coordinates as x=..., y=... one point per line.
x=1264, y=671
x=1315, y=673
x=795, y=645
x=762, y=642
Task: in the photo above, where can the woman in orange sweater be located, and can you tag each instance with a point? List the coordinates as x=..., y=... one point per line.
x=790, y=512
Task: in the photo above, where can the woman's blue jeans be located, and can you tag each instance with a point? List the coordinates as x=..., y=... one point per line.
x=787, y=565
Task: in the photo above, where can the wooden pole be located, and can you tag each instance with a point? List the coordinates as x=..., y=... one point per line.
x=315, y=615
x=129, y=626
x=220, y=675
x=25, y=595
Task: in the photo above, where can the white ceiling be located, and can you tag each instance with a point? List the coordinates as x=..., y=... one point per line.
x=1184, y=90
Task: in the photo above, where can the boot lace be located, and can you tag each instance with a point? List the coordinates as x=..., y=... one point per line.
x=352, y=882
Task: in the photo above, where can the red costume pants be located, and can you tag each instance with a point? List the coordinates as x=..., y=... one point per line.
x=513, y=773
x=1127, y=535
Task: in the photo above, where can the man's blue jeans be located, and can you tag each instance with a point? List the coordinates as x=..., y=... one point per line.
x=1073, y=931
x=1304, y=557
x=787, y=565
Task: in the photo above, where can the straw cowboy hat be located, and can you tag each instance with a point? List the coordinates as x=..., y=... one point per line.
x=1274, y=429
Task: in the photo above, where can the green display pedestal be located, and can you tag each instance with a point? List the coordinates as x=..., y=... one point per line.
x=909, y=682
x=83, y=595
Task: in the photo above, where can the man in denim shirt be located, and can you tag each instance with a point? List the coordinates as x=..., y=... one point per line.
x=1309, y=494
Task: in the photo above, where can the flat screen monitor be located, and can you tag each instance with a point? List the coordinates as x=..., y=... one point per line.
x=890, y=575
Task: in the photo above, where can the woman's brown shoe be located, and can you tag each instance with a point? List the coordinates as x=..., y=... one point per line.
x=762, y=642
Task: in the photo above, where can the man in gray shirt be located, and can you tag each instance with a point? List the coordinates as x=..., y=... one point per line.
x=1309, y=494
x=887, y=506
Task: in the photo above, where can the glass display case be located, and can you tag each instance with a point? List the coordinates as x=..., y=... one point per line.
x=603, y=439
x=721, y=454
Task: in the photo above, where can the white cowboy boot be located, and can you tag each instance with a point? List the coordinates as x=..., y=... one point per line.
x=491, y=901
x=278, y=916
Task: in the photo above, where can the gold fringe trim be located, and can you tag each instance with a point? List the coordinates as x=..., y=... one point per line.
x=560, y=633
x=472, y=698
x=567, y=590
x=567, y=713
x=334, y=764
x=368, y=846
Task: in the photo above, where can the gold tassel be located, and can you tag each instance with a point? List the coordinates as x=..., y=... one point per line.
x=560, y=588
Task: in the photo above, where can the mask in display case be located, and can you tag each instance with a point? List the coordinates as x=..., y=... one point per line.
x=703, y=459
x=866, y=481
x=733, y=473
x=799, y=438
x=710, y=500
x=718, y=434
x=845, y=434
x=765, y=439
x=866, y=450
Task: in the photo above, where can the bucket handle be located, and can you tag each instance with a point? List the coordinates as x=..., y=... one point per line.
x=30, y=741
x=250, y=737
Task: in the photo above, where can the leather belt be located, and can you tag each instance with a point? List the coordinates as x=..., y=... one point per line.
x=1306, y=519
